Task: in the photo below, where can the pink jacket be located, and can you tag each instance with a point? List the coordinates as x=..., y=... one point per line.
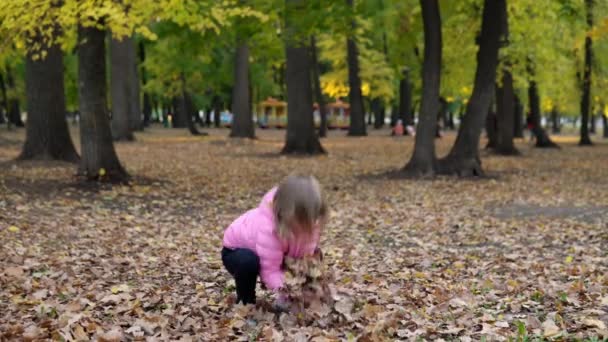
x=256, y=230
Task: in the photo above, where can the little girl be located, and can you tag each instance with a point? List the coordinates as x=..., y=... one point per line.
x=287, y=222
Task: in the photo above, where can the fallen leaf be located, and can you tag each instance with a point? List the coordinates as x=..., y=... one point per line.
x=549, y=328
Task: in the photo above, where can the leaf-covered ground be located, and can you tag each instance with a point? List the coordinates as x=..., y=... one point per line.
x=521, y=253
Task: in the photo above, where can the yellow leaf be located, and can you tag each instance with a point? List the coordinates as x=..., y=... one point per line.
x=102, y=172
x=13, y=229
x=569, y=259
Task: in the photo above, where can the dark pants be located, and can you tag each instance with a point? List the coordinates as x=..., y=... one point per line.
x=244, y=266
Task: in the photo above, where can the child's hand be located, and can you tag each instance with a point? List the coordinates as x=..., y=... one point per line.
x=282, y=303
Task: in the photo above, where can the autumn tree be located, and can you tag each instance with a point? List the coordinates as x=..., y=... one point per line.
x=301, y=137
x=463, y=159
x=586, y=81
x=423, y=161
x=47, y=135
x=357, y=125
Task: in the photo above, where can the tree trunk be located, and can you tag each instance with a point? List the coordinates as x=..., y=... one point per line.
x=518, y=125
x=377, y=108
x=492, y=129
x=135, y=120
x=301, y=137
x=13, y=111
x=99, y=160
x=505, y=109
x=208, y=111
x=147, y=106
x=180, y=117
x=357, y=125
x=121, y=90
x=242, y=121
x=316, y=76
x=592, y=124
x=47, y=134
x=542, y=138
x=555, y=126
x=217, y=111
x=4, y=103
x=605, y=122
x=586, y=99
x=186, y=105
x=405, y=98
x=463, y=158
x=423, y=160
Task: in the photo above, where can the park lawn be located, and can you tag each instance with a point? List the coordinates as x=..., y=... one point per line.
x=522, y=252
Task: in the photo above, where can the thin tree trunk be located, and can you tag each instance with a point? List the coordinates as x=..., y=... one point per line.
x=217, y=111
x=423, y=160
x=316, y=76
x=301, y=137
x=518, y=125
x=99, y=160
x=47, y=134
x=592, y=124
x=121, y=90
x=180, y=117
x=14, y=112
x=357, y=125
x=555, y=126
x=186, y=105
x=147, y=105
x=542, y=138
x=379, y=112
x=605, y=122
x=586, y=99
x=463, y=159
x=4, y=103
x=405, y=98
x=242, y=121
x=505, y=108
x=135, y=119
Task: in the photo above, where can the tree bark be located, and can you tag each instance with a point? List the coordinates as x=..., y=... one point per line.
x=377, y=108
x=357, y=125
x=518, y=125
x=405, y=98
x=99, y=160
x=121, y=90
x=242, y=121
x=423, y=161
x=217, y=111
x=605, y=122
x=316, y=75
x=135, y=120
x=463, y=159
x=492, y=129
x=147, y=105
x=47, y=134
x=542, y=138
x=180, y=117
x=13, y=111
x=186, y=105
x=555, y=126
x=301, y=137
x=586, y=99
x=505, y=108
x=4, y=104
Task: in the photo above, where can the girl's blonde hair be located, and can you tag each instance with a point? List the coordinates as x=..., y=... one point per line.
x=299, y=198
